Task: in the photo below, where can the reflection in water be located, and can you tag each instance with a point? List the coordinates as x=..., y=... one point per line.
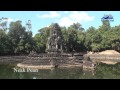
x=88, y=72
x=102, y=71
x=34, y=78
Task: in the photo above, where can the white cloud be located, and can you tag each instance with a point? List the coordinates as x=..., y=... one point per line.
x=52, y=14
x=67, y=18
x=8, y=20
x=65, y=21
x=74, y=17
x=81, y=16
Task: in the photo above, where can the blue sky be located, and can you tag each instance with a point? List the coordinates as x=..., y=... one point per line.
x=41, y=19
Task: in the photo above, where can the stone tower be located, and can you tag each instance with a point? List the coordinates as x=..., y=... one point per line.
x=55, y=41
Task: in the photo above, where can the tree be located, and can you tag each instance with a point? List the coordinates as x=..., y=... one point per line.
x=17, y=40
x=41, y=39
x=89, y=34
x=3, y=42
x=21, y=41
x=105, y=25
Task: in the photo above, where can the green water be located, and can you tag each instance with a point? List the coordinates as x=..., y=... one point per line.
x=102, y=71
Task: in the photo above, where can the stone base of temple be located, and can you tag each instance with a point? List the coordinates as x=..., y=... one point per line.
x=35, y=66
x=48, y=61
x=70, y=65
x=48, y=66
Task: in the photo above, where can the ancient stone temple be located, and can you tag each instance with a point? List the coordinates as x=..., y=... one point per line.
x=55, y=56
x=55, y=40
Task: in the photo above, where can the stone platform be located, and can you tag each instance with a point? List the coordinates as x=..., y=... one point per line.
x=55, y=56
x=52, y=60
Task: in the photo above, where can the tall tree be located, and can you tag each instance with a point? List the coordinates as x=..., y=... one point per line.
x=91, y=31
x=20, y=40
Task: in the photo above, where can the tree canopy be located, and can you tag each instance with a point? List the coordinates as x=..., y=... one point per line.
x=17, y=40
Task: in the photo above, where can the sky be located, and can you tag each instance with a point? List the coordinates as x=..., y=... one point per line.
x=40, y=19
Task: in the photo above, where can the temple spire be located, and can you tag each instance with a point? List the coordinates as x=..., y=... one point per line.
x=55, y=39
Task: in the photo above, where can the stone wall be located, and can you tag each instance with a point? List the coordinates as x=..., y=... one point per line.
x=12, y=58
x=101, y=57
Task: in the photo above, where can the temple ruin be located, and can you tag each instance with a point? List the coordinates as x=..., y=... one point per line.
x=55, y=56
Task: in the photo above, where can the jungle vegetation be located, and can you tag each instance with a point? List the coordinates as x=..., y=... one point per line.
x=17, y=40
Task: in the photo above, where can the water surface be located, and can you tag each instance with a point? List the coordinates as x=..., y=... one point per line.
x=102, y=71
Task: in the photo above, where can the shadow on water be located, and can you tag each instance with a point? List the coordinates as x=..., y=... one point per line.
x=102, y=71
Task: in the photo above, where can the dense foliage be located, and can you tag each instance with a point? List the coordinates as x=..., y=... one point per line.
x=17, y=40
